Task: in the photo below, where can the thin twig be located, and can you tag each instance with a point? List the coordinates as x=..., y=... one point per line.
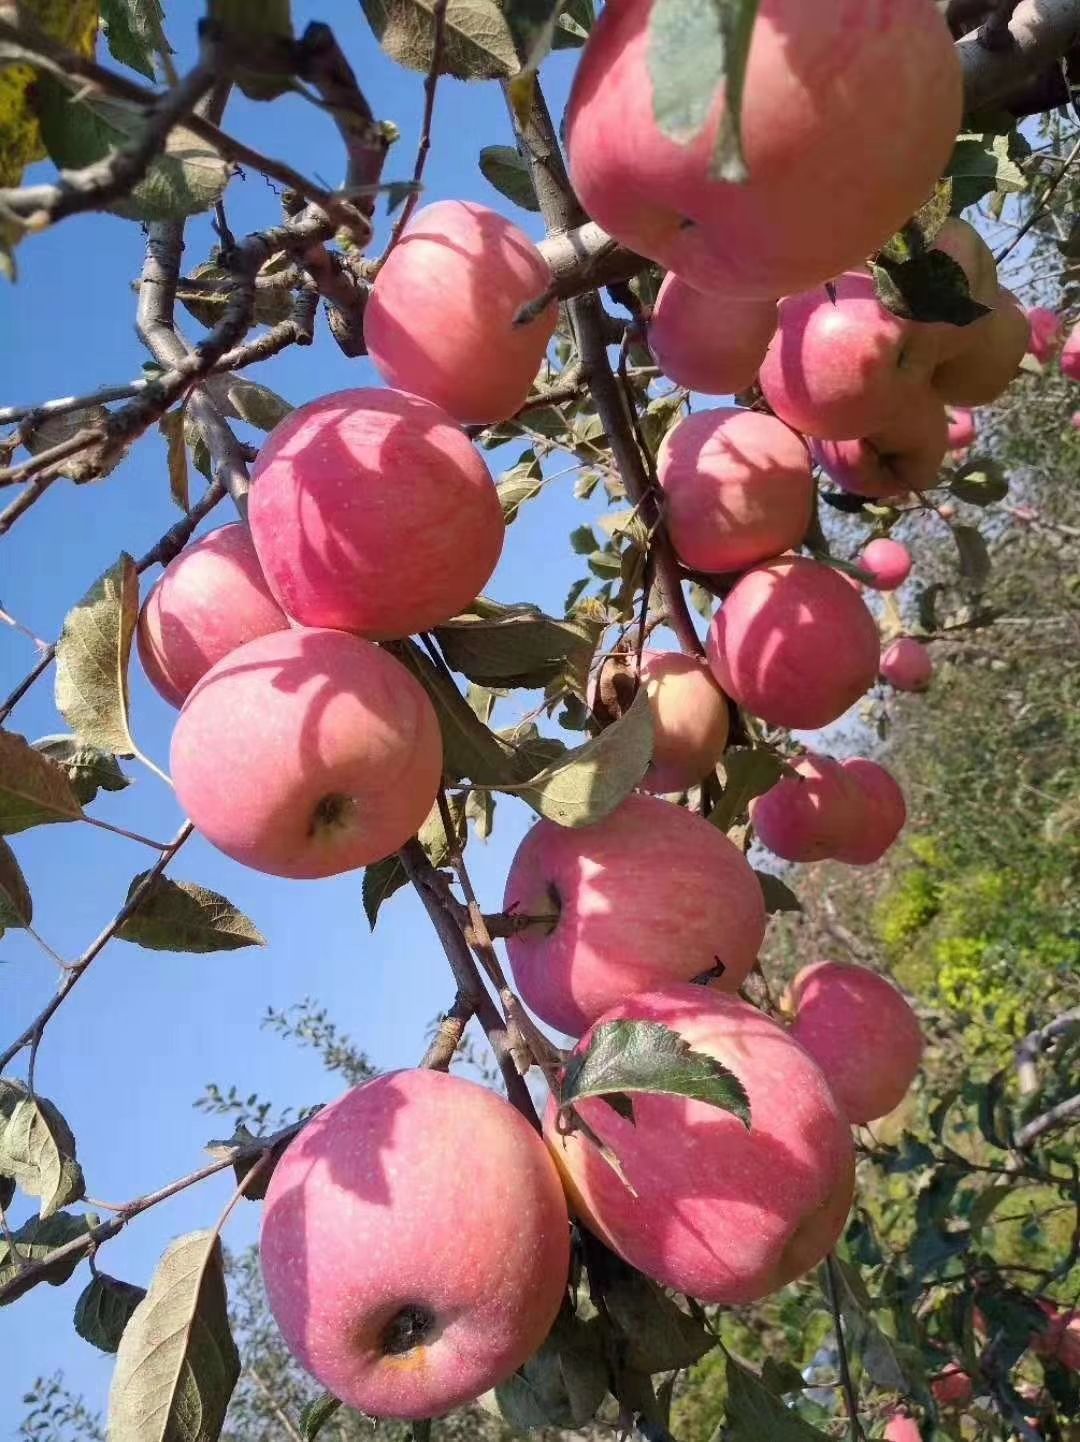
x=1043, y=206
x=1064, y=1114
x=851, y=1396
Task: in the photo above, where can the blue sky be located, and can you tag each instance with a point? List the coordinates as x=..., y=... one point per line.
x=145, y=1031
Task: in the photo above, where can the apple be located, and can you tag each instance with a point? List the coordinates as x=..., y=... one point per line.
x=307, y=753
x=902, y=1428
x=737, y=488
x=962, y=431
x=700, y=1203
x=808, y=816
x=861, y=1032
x=372, y=512
x=415, y=1244
x=1060, y=1339
x=212, y=598
x=439, y=320
x=1045, y=332
x=1070, y=354
x=888, y=562
x=884, y=813
x=841, y=365
x=952, y=1387
x=849, y=114
x=906, y=664
x=987, y=361
x=794, y=643
x=905, y=455
x=707, y=342
x=689, y=715
x=649, y=895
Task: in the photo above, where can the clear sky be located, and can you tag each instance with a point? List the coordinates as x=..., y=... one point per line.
x=145, y=1031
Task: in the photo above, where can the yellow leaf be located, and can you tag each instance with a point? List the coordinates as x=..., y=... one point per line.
x=74, y=23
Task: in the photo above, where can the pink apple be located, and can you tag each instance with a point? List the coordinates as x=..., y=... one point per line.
x=439, y=320
x=1070, y=354
x=702, y=1204
x=807, y=817
x=708, y=342
x=212, y=598
x=737, y=488
x=905, y=455
x=649, y=895
x=861, y=1032
x=1045, y=332
x=902, y=1428
x=962, y=430
x=888, y=562
x=883, y=816
x=1074, y=420
x=415, y=1244
x=307, y=753
x=372, y=512
x=794, y=643
x=690, y=720
x=849, y=114
x=987, y=360
x=1060, y=1339
x=906, y=664
x=952, y=1387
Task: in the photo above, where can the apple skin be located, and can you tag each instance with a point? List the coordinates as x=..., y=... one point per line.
x=709, y=343
x=1045, y=332
x=904, y=456
x=861, y=1032
x=888, y=562
x=372, y=512
x=439, y=321
x=849, y=114
x=794, y=643
x=307, y=753
x=807, y=819
x=212, y=598
x=716, y=1211
x=373, y=1219
x=902, y=1428
x=690, y=720
x=987, y=362
x=1070, y=354
x=737, y=488
x=884, y=813
x=962, y=432
x=614, y=889
x=907, y=665
x=1060, y=1340
x=952, y=1387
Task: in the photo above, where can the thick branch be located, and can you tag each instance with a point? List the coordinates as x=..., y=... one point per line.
x=1064, y=1114
x=1041, y=31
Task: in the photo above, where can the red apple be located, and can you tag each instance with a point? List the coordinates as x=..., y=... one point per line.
x=1045, y=332
x=962, y=431
x=690, y=720
x=888, y=562
x=905, y=455
x=1070, y=354
x=906, y=664
x=1060, y=1339
x=702, y=1204
x=439, y=321
x=415, y=1244
x=849, y=114
x=212, y=598
x=372, y=512
x=708, y=342
x=952, y=1387
x=307, y=753
x=808, y=818
x=902, y=1428
x=861, y=1032
x=649, y=895
x=883, y=813
x=737, y=488
x=987, y=360
x=794, y=643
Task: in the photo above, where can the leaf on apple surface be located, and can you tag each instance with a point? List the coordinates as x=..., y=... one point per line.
x=33, y=1242
x=92, y=659
x=624, y=1057
x=34, y=791
x=749, y=771
x=37, y=1149
x=316, y=1414
x=498, y=645
x=931, y=287
x=563, y=1384
x=753, y=1412
x=177, y=1363
x=478, y=43
x=778, y=896
x=180, y=916
x=697, y=47
x=16, y=906
x=980, y=481
x=975, y=564
x=104, y=1309
x=89, y=769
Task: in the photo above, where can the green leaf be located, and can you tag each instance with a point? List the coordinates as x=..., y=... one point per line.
x=983, y=164
x=251, y=23
x=695, y=48
x=624, y=1057
x=931, y=287
x=316, y=1415
x=37, y=1148
x=134, y=33
x=523, y=483
x=381, y=880
x=244, y=400
x=974, y=556
x=918, y=235
x=563, y=1384
x=589, y=782
x=778, y=896
x=980, y=481
x=179, y=916
x=480, y=810
x=984, y=1206
x=658, y=1336
x=177, y=1363
x=748, y=772
x=104, y=1309
x=92, y=658
x=33, y=1242
x=477, y=43
x=34, y=791
x=583, y=541
x=874, y=1348
x=171, y=427
x=575, y=22
x=470, y=749
x=502, y=167
x=755, y=1413
x=16, y=906
x=497, y=645
x=89, y=769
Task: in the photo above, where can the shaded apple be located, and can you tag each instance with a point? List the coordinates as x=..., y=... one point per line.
x=1045, y=332
x=808, y=816
x=962, y=432
x=952, y=1387
x=907, y=665
x=989, y=357
x=706, y=341
x=883, y=813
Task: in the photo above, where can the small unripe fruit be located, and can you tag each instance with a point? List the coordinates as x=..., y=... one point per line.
x=987, y=360
x=439, y=321
x=737, y=489
x=888, y=562
x=907, y=664
x=415, y=1244
x=700, y=1203
x=962, y=431
x=649, y=895
x=883, y=813
x=212, y=598
x=794, y=643
x=1045, y=332
x=808, y=816
x=689, y=715
x=708, y=342
x=373, y=513
x=307, y=753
